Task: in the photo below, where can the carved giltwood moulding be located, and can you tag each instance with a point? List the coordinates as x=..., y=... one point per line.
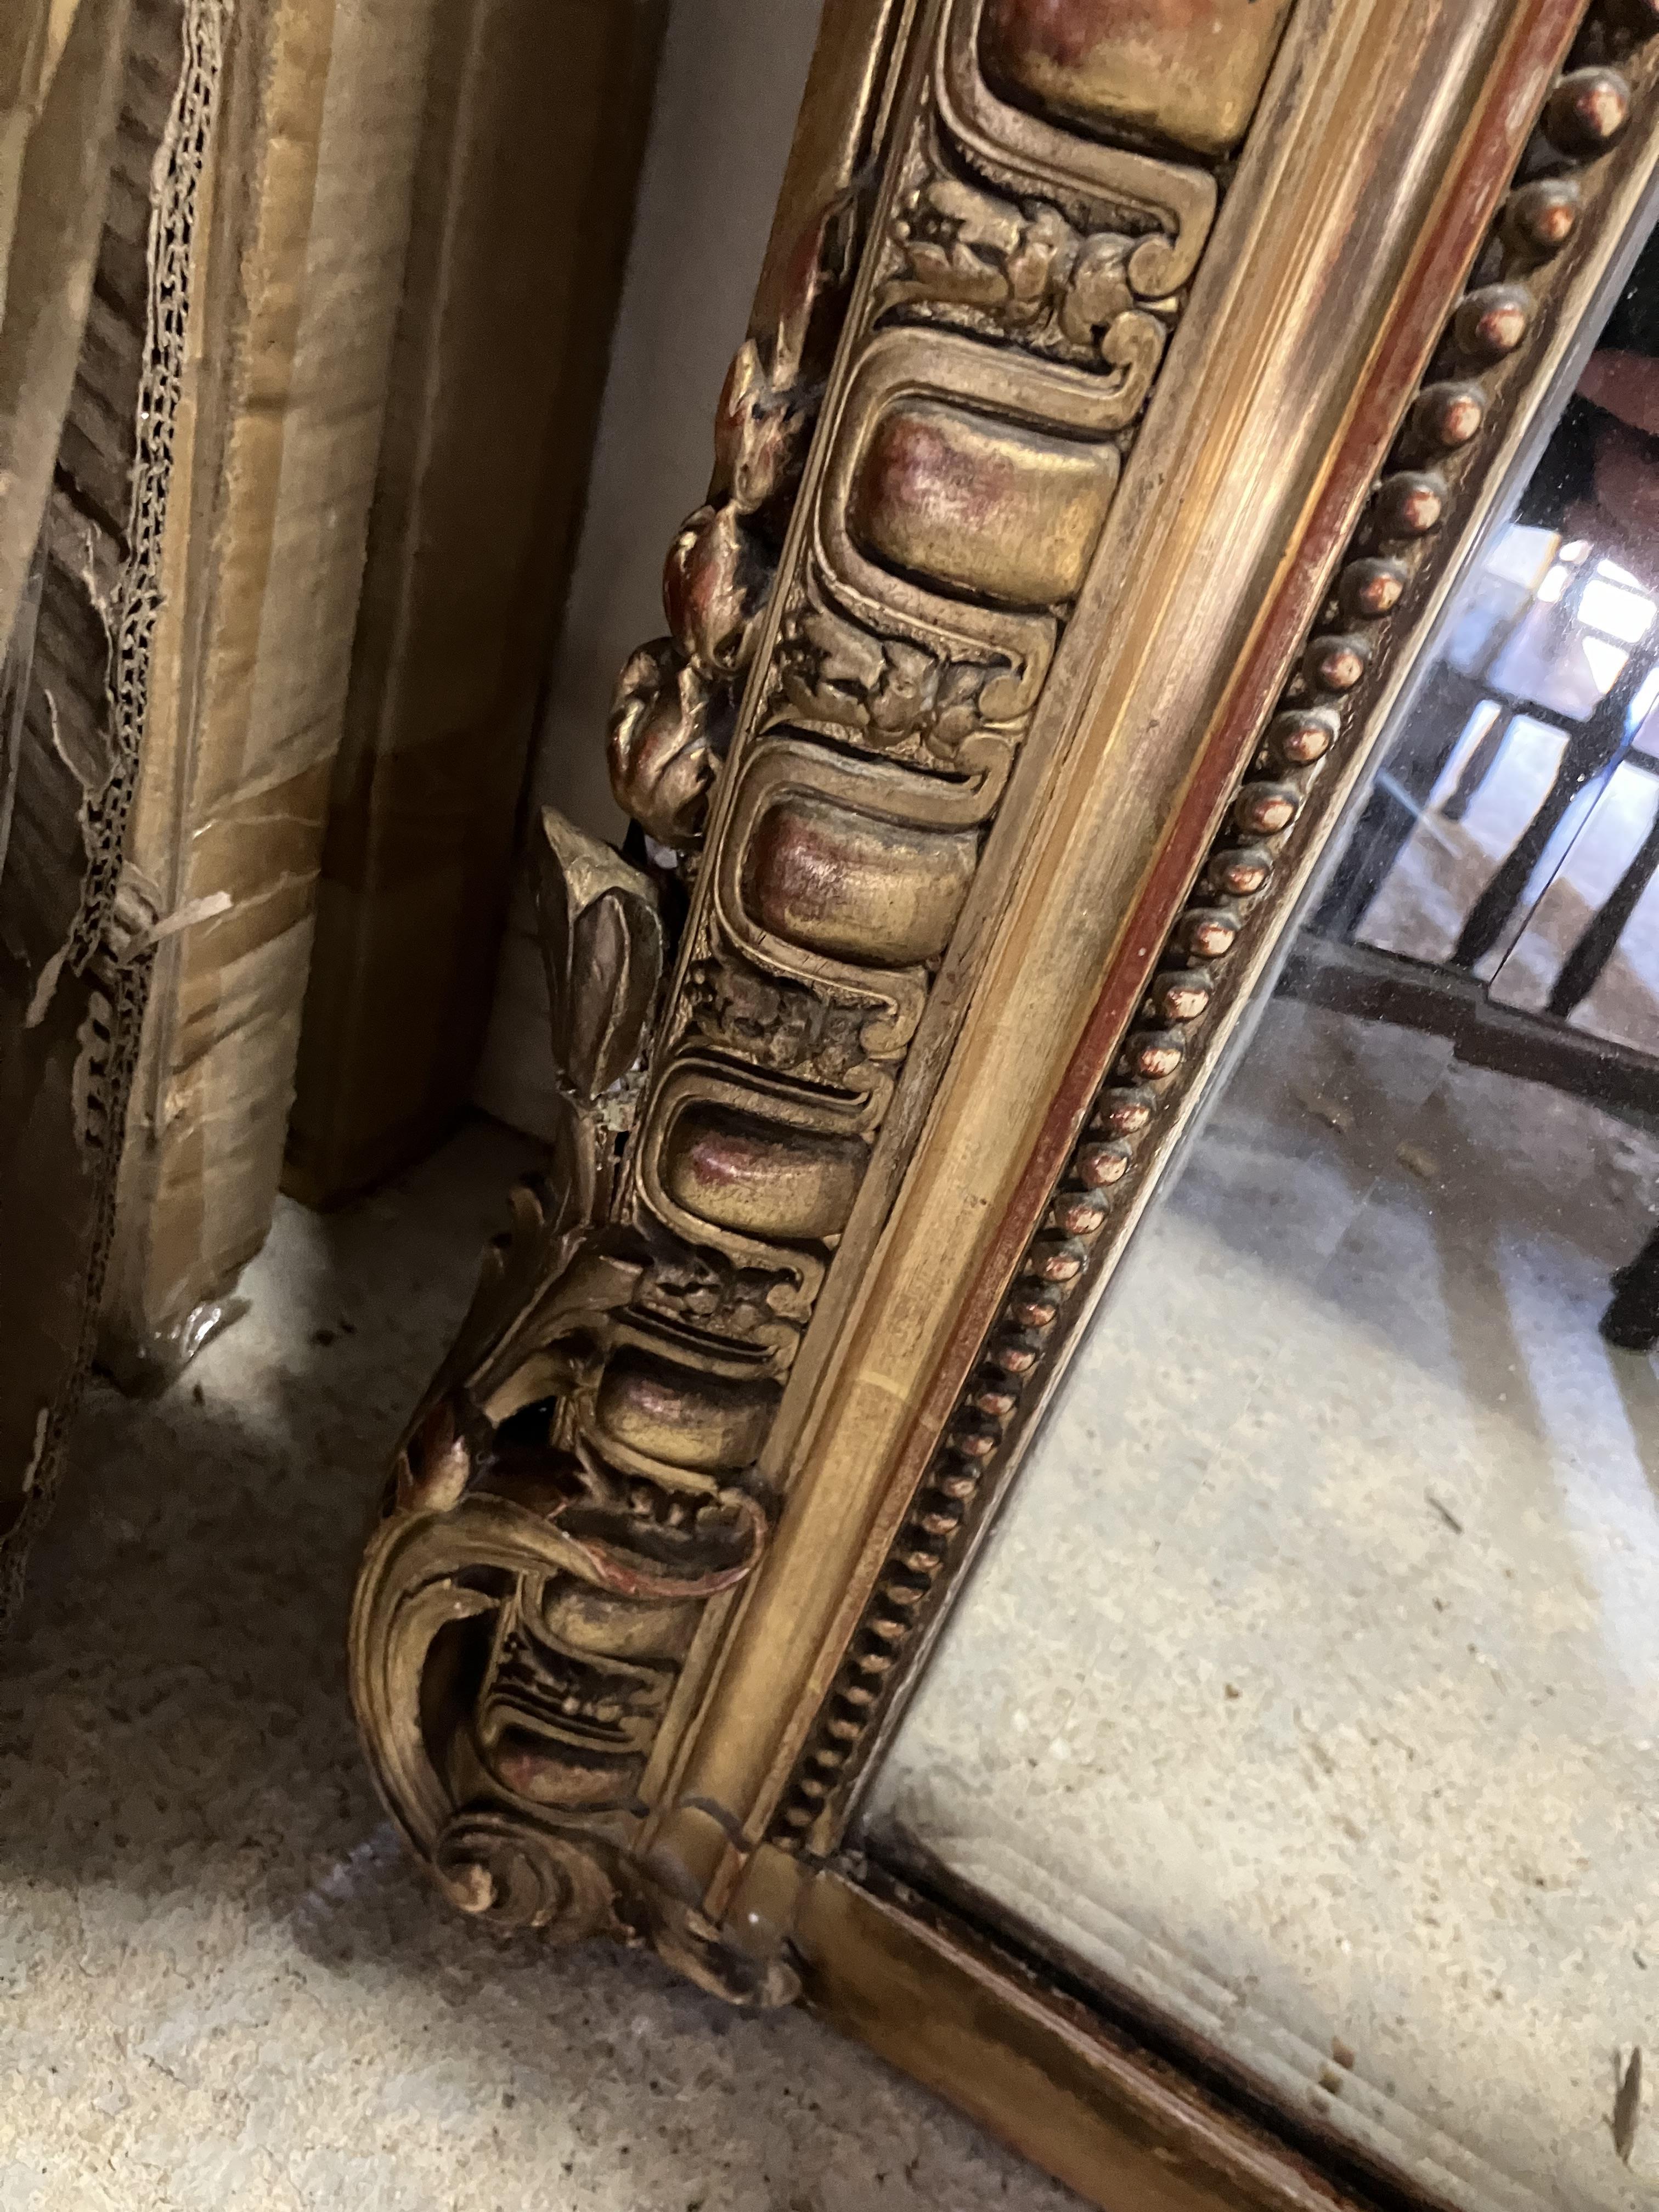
x=1461, y=427
x=1064, y=554
x=915, y=460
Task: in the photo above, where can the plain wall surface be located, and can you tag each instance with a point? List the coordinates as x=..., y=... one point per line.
x=727, y=93
x=534, y=131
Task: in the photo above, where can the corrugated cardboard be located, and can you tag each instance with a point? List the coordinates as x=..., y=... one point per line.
x=727, y=94
x=297, y=309
x=74, y=930
x=529, y=155
x=202, y=548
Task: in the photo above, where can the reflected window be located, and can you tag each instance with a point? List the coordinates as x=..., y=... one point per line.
x=1513, y=834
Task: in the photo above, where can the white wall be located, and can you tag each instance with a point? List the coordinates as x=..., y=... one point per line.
x=726, y=97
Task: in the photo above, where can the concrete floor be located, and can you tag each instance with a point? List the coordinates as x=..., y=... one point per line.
x=222, y=1983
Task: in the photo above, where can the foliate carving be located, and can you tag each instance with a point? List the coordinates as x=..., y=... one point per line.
x=671, y=719
x=973, y=258
x=780, y=1026
x=715, y=583
x=537, y=1548
x=585, y=1475
x=1349, y=659
x=663, y=744
x=602, y=945
x=707, y=1291
x=1167, y=206
x=904, y=699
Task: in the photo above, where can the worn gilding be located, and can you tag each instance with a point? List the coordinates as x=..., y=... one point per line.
x=986, y=508
x=741, y=1173
x=1187, y=71
x=854, y=887
x=672, y=1414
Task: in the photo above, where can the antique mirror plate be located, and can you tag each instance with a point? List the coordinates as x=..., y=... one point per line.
x=1305, y=1704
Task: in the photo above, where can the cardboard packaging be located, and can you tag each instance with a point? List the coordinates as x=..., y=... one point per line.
x=530, y=149
x=202, y=547
x=60, y=81
x=293, y=331
x=74, y=956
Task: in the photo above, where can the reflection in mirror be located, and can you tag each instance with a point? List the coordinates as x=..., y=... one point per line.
x=1306, y=1703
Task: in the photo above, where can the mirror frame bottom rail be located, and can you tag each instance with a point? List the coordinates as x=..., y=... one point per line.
x=1035, y=2060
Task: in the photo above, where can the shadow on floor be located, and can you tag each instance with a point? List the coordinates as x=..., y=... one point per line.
x=228, y=1984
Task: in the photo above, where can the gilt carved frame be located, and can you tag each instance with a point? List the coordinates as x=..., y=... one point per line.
x=1106, y=440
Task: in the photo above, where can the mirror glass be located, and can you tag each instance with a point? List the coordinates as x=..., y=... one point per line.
x=1305, y=1703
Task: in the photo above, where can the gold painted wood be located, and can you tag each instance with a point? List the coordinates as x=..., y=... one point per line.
x=1031, y=480
x=573, y=1493
x=1122, y=2126
x=1353, y=165
x=1235, y=859
x=916, y=453
x=1190, y=74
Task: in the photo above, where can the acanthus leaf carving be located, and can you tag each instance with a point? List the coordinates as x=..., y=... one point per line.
x=661, y=746
x=601, y=947
x=777, y=1025
x=1024, y=270
x=707, y=1291
x=676, y=698
x=901, y=697
x=759, y=435
x=716, y=582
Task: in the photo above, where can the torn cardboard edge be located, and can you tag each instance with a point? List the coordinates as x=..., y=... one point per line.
x=301, y=291
x=67, y=1074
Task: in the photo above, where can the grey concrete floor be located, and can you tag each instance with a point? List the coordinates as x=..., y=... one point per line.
x=222, y=1983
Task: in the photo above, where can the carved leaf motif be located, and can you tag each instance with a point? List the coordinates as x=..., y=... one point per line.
x=1027, y=268
x=661, y=761
x=778, y=1026
x=760, y=437
x=664, y=753
x=602, y=941
x=716, y=584
x=544, y=1230
x=548, y=1347
x=706, y=1291
x=891, y=690
x=820, y=269
x=1098, y=290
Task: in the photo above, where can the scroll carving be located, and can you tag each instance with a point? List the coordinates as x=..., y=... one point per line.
x=1167, y=206
x=912, y=473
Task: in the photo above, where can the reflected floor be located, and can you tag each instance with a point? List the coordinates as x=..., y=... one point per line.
x=1310, y=1689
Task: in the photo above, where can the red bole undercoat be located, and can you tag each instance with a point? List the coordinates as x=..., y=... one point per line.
x=1472, y=197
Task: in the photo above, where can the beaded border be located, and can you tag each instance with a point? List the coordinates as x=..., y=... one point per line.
x=1381, y=572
